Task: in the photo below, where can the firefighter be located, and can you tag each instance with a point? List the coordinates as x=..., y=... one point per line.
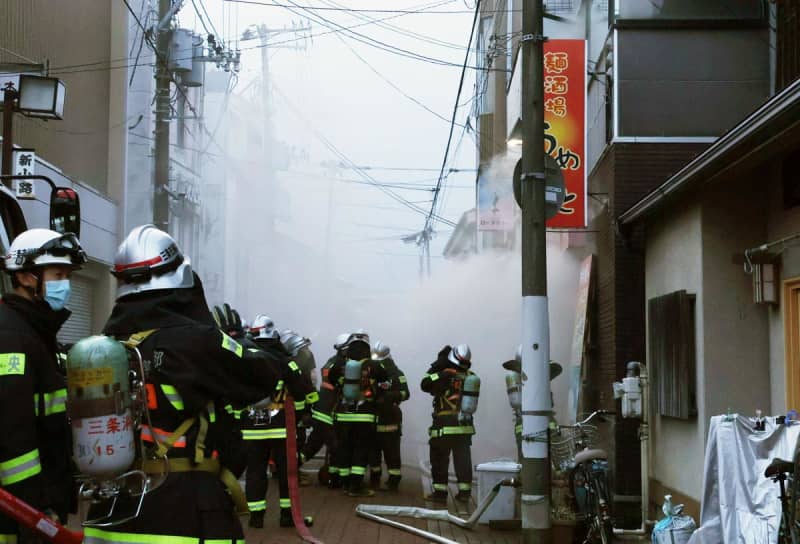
x=36, y=443
x=191, y=366
x=514, y=390
x=322, y=424
x=264, y=426
x=359, y=383
x=452, y=427
x=300, y=352
x=390, y=422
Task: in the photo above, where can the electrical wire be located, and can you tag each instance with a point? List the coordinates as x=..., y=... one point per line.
x=341, y=156
x=371, y=10
x=390, y=83
x=432, y=213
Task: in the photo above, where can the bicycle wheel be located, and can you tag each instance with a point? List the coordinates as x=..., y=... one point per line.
x=602, y=515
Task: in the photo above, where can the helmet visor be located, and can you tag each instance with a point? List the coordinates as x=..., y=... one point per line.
x=66, y=245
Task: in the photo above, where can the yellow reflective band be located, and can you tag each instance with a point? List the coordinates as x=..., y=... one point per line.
x=333, y=470
x=294, y=366
x=312, y=397
x=402, y=379
x=464, y=487
x=299, y=405
x=387, y=428
x=256, y=506
x=20, y=468
x=254, y=350
x=232, y=345
x=355, y=418
x=55, y=402
x=212, y=412
x=8, y=539
x=395, y=472
x=285, y=503
x=440, y=487
x=518, y=429
x=12, y=364
x=450, y=431
x=321, y=417
x=344, y=472
x=263, y=434
x=99, y=536
x=173, y=396
x=433, y=377
x=358, y=471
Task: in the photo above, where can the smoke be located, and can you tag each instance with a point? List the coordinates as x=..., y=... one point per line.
x=277, y=252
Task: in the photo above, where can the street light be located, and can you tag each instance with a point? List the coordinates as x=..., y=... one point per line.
x=39, y=97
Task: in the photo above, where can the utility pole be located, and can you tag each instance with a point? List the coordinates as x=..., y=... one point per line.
x=536, y=403
x=9, y=96
x=161, y=171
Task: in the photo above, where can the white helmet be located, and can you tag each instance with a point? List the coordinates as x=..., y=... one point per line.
x=340, y=341
x=293, y=342
x=460, y=355
x=149, y=259
x=359, y=336
x=518, y=356
x=380, y=352
x=42, y=247
x=264, y=327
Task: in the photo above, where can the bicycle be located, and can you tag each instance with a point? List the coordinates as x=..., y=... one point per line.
x=573, y=452
x=780, y=471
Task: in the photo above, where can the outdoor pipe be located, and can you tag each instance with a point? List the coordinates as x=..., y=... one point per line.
x=376, y=511
x=644, y=436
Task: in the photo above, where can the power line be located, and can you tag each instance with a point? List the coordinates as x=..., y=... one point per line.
x=372, y=10
x=327, y=143
x=428, y=219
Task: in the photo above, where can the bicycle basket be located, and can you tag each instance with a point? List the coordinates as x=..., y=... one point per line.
x=567, y=441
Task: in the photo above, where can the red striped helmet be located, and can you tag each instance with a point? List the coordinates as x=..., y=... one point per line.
x=149, y=259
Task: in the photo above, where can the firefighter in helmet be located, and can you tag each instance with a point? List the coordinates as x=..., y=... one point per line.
x=359, y=382
x=389, y=427
x=35, y=448
x=191, y=367
x=264, y=425
x=455, y=390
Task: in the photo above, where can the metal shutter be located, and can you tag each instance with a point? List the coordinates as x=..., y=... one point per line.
x=79, y=324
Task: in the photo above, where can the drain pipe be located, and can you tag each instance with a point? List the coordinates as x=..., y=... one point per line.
x=644, y=436
x=375, y=512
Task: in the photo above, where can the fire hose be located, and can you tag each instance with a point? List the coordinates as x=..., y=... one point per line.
x=37, y=521
x=375, y=512
x=291, y=470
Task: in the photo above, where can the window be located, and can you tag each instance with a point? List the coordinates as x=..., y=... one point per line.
x=690, y=9
x=671, y=339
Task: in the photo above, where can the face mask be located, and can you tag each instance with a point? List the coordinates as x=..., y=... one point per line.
x=56, y=293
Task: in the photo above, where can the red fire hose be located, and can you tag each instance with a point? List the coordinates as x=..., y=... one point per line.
x=291, y=470
x=37, y=521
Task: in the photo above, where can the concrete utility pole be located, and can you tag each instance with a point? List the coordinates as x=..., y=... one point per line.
x=536, y=404
x=161, y=171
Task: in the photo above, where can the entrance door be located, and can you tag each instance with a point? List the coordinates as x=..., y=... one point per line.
x=791, y=317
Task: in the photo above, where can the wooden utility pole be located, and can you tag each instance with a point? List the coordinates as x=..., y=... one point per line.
x=536, y=403
x=161, y=170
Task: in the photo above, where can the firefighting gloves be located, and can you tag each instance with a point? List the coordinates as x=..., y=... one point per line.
x=229, y=321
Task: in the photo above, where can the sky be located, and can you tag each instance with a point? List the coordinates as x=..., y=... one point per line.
x=347, y=93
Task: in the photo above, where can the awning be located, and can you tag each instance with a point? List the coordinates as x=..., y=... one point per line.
x=771, y=129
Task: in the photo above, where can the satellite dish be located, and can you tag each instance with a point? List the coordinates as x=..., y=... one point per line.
x=554, y=188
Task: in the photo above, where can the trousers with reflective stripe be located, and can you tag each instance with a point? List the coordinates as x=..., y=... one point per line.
x=100, y=536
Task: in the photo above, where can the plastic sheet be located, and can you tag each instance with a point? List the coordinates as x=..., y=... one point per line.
x=739, y=504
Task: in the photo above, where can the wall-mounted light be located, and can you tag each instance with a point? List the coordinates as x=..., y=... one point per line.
x=765, y=283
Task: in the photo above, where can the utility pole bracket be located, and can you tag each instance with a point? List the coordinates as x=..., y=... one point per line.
x=536, y=176
x=536, y=38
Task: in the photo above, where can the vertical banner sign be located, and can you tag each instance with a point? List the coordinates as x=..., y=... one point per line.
x=23, y=161
x=565, y=124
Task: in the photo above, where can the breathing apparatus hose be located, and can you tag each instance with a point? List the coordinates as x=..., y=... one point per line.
x=37, y=521
x=291, y=470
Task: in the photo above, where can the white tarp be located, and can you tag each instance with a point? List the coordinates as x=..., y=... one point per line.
x=739, y=504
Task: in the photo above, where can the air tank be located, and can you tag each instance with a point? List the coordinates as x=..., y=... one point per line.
x=469, y=394
x=514, y=390
x=99, y=407
x=352, y=381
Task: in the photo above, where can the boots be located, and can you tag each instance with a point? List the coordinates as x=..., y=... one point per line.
x=335, y=481
x=437, y=496
x=375, y=479
x=356, y=488
x=257, y=520
x=286, y=518
x=463, y=496
x=393, y=483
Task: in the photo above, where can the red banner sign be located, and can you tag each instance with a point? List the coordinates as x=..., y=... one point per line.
x=565, y=124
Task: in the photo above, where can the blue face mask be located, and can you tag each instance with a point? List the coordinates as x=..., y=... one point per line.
x=56, y=293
